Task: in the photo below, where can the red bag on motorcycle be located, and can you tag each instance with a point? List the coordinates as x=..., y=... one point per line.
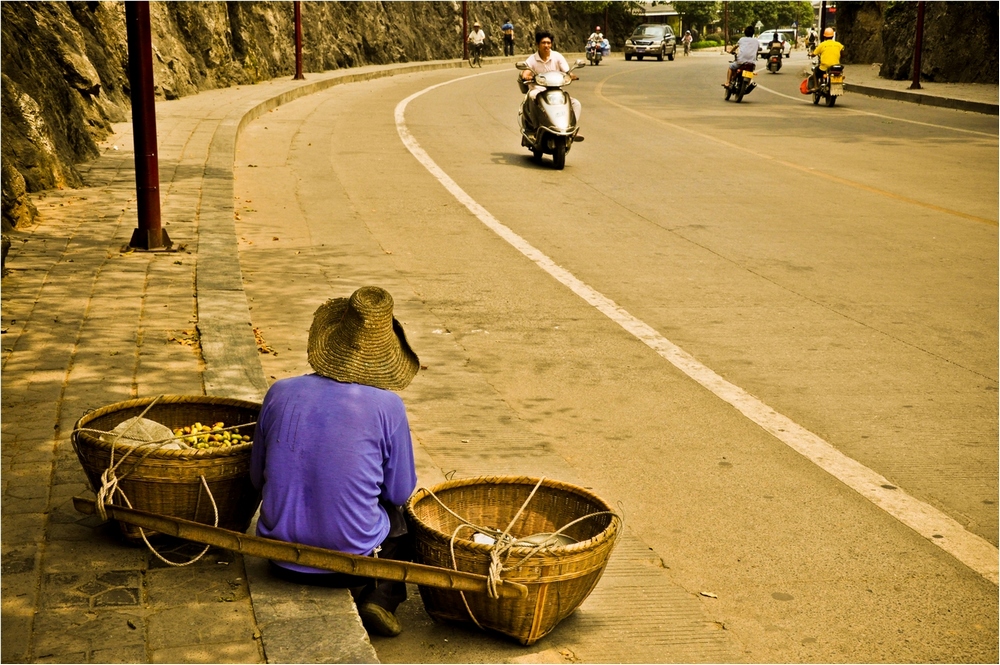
x=804, y=88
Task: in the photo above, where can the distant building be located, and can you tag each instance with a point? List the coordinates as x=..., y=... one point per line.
x=660, y=12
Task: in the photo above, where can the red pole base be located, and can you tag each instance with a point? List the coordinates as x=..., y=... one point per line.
x=150, y=240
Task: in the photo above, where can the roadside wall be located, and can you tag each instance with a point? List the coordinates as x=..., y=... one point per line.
x=959, y=45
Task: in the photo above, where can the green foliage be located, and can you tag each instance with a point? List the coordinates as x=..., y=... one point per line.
x=771, y=14
x=704, y=44
x=698, y=13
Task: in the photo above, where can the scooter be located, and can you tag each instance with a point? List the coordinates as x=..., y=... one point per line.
x=830, y=85
x=548, y=124
x=774, y=58
x=742, y=82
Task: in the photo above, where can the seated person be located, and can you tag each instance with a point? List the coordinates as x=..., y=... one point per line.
x=332, y=453
x=546, y=60
x=829, y=55
x=746, y=53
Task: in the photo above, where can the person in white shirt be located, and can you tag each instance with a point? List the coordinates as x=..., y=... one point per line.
x=746, y=53
x=477, y=37
x=547, y=60
x=596, y=35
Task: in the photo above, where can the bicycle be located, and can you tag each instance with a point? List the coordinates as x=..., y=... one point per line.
x=476, y=55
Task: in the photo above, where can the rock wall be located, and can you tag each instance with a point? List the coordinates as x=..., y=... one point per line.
x=64, y=64
x=959, y=45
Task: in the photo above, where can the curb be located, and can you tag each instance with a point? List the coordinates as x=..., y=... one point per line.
x=233, y=368
x=928, y=100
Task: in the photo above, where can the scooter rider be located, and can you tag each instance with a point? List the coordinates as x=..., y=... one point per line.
x=746, y=53
x=829, y=55
x=596, y=35
x=546, y=60
x=776, y=45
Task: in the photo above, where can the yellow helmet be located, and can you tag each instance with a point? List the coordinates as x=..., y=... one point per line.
x=828, y=33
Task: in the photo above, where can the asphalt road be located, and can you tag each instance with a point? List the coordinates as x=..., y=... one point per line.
x=836, y=265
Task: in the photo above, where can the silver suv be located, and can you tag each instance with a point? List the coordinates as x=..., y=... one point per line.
x=655, y=39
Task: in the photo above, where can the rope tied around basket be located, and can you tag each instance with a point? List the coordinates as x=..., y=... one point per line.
x=110, y=480
x=503, y=542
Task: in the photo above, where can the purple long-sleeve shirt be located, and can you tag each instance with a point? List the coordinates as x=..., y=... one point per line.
x=324, y=452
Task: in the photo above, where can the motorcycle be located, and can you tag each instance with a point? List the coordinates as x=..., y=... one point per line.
x=597, y=50
x=774, y=58
x=741, y=83
x=548, y=124
x=830, y=85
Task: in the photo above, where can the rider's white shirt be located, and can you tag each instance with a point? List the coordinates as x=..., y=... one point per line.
x=747, y=49
x=555, y=63
x=477, y=36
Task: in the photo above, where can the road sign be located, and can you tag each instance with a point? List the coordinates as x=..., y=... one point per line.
x=759, y=25
x=795, y=24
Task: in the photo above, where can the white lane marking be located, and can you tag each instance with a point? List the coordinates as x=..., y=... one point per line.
x=879, y=115
x=940, y=529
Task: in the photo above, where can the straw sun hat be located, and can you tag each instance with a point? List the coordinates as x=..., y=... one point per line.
x=357, y=340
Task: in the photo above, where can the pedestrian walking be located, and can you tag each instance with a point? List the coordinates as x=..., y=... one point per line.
x=508, y=37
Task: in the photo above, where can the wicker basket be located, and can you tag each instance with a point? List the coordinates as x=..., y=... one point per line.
x=168, y=482
x=558, y=578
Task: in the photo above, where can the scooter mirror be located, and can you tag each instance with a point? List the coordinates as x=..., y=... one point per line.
x=580, y=63
x=521, y=65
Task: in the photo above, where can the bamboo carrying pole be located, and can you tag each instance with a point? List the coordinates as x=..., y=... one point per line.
x=306, y=555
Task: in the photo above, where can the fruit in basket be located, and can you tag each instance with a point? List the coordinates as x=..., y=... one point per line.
x=216, y=435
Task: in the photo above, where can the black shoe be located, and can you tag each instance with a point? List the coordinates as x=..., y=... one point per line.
x=379, y=620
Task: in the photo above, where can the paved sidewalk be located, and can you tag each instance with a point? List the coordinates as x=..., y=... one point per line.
x=87, y=323
x=975, y=97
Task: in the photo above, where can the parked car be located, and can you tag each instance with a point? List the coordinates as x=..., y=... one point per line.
x=765, y=42
x=654, y=39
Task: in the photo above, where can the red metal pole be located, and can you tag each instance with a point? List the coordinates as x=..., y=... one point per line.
x=918, y=47
x=298, y=41
x=149, y=234
x=465, y=30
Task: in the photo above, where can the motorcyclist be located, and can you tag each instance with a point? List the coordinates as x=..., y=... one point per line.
x=776, y=45
x=546, y=60
x=596, y=36
x=746, y=53
x=477, y=38
x=828, y=52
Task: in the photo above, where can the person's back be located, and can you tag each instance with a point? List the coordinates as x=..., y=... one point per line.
x=508, y=37
x=829, y=51
x=746, y=53
x=746, y=49
x=332, y=454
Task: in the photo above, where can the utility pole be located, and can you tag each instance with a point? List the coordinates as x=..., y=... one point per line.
x=822, y=18
x=725, y=26
x=465, y=30
x=298, y=41
x=149, y=234
x=918, y=46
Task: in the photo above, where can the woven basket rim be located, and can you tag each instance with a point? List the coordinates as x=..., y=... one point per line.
x=611, y=531
x=92, y=441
